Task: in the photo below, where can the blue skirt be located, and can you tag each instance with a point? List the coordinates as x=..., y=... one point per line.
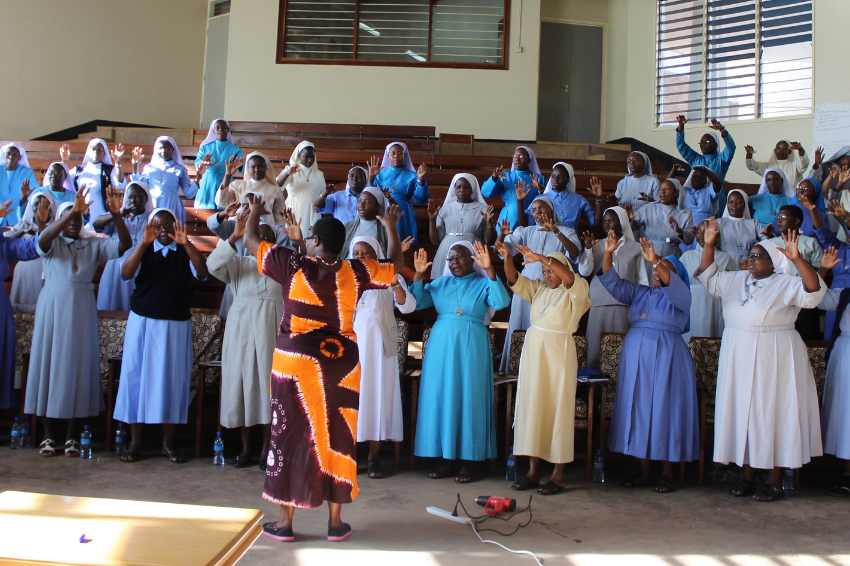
x=156, y=371
x=113, y=293
x=655, y=408
x=835, y=412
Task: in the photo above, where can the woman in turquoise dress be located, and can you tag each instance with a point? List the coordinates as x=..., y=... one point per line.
x=397, y=176
x=503, y=183
x=455, y=419
x=774, y=192
x=216, y=149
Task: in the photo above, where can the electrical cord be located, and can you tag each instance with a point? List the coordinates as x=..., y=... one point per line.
x=481, y=519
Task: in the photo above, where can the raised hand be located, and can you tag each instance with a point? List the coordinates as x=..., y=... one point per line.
x=547, y=224
x=505, y=228
x=391, y=216
x=136, y=156
x=406, y=244
x=712, y=232
x=433, y=209
x=648, y=251
x=844, y=175
x=830, y=258
x=208, y=160
x=25, y=190
x=595, y=187
x=837, y=209
x=42, y=212
x=241, y=221
x=768, y=231
x=330, y=188
x=232, y=165
x=232, y=209
x=818, y=158
x=80, y=204
x=179, y=235
x=681, y=120
x=629, y=210
x=65, y=152
x=5, y=209
x=715, y=125
x=744, y=265
x=791, y=251
x=114, y=200
x=151, y=233
x=678, y=169
x=420, y=172
x=797, y=146
x=521, y=191
x=643, y=196
x=374, y=166
x=674, y=226
x=201, y=169
x=499, y=173
x=503, y=250
x=535, y=183
x=490, y=215
x=804, y=200
x=611, y=242
x=293, y=169
x=482, y=255
x=118, y=154
x=589, y=239
x=292, y=226
x=529, y=256
x=420, y=261
x=750, y=151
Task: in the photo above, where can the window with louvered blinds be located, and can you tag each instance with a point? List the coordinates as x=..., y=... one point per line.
x=733, y=59
x=438, y=33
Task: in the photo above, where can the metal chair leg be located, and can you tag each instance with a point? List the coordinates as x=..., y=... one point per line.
x=199, y=412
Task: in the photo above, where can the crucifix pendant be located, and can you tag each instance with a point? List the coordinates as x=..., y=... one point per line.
x=74, y=267
x=458, y=311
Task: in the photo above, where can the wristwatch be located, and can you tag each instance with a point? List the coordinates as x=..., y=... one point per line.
x=657, y=263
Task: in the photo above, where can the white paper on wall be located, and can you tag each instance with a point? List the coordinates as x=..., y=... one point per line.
x=831, y=127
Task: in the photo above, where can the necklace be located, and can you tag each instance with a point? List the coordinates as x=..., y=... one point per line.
x=458, y=311
x=325, y=263
x=546, y=304
x=72, y=248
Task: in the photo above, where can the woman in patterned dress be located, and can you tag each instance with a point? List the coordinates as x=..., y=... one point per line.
x=315, y=379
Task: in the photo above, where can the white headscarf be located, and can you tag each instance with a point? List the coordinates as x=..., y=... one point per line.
x=625, y=225
x=532, y=161
x=176, y=156
x=211, y=135
x=681, y=203
x=29, y=213
x=251, y=184
x=144, y=187
x=365, y=176
x=384, y=312
x=24, y=159
x=68, y=183
x=83, y=232
x=571, y=184
x=376, y=192
x=107, y=157
x=787, y=189
x=408, y=163
x=780, y=262
x=477, y=269
x=295, y=159
x=156, y=211
x=373, y=243
x=747, y=215
x=716, y=136
x=647, y=166
x=451, y=194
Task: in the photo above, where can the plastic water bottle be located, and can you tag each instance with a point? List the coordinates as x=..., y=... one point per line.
x=598, y=467
x=218, y=459
x=120, y=440
x=16, y=435
x=788, y=479
x=511, y=474
x=26, y=432
x=85, y=443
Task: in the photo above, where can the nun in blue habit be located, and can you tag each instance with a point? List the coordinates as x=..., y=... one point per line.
x=405, y=183
x=503, y=184
x=655, y=408
x=217, y=148
x=13, y=171
x=710, y=155
x=638, y=181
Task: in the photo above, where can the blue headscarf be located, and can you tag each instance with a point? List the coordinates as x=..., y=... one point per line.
x=682, y=272
x=807, y=228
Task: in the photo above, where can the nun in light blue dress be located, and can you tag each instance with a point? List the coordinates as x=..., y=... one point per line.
x=61, y=190
x=835, y=412
x=572, y=208
x=630, y=187
x=166, y=178
x=765, y=205
x=114, y=292
x=219, y=151
x=655, y=409
x=504, y=186
x=404, y=187
x=11, y=180
x=455, y=418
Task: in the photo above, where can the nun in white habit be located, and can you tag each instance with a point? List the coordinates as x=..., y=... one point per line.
x=468, y=220
x=794, y=161
x=96, y=172
x=380, y=414
x=738, y=231
x=258, y=178
x=304, y=183
x=766, y=412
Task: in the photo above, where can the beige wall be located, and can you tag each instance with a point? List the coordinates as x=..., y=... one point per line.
x=76, y=61
x=491, y=104
x=631, y=76
x=576, y=10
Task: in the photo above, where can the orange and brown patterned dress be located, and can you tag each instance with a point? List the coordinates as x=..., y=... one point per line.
x=315, y=380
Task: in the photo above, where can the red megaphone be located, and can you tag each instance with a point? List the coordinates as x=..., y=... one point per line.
x=496, y=505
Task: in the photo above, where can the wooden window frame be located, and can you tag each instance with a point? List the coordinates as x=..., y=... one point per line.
x=281, y=38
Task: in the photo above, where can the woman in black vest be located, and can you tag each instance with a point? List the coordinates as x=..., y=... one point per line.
x=157, y=367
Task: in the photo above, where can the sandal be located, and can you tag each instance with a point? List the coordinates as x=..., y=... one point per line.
x=743, y=488
x=336, y=534
x=129, y=457
x=283, y=534
x=525, y=483
x=769, y=493
x=551, y=488
x=665, y=485
x=47, y=448
x=72, y=449
x=374, y=469
x=636, y=480
x=464, y=475
x=842, y=489
x=242, y=462
x=439, y=473
x=175, y=457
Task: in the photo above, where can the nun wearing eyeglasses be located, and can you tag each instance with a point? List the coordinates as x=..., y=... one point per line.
x=525, y=172
x=710, y=155
x=766, y=411
x=215, y=150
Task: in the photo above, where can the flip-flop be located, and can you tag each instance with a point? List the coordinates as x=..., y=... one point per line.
x=551, y=488
x=441, y=472
x=129, y=457
x=462, y=477
x=283, y=534
x=769, y=493
x=176, y=457
x=336, y=534
x=665, y=485
x=525, y=483
x=47, y=448
x=743, y=488
x=374, y=469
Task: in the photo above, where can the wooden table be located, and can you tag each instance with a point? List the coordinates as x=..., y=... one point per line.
x=46, y=529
